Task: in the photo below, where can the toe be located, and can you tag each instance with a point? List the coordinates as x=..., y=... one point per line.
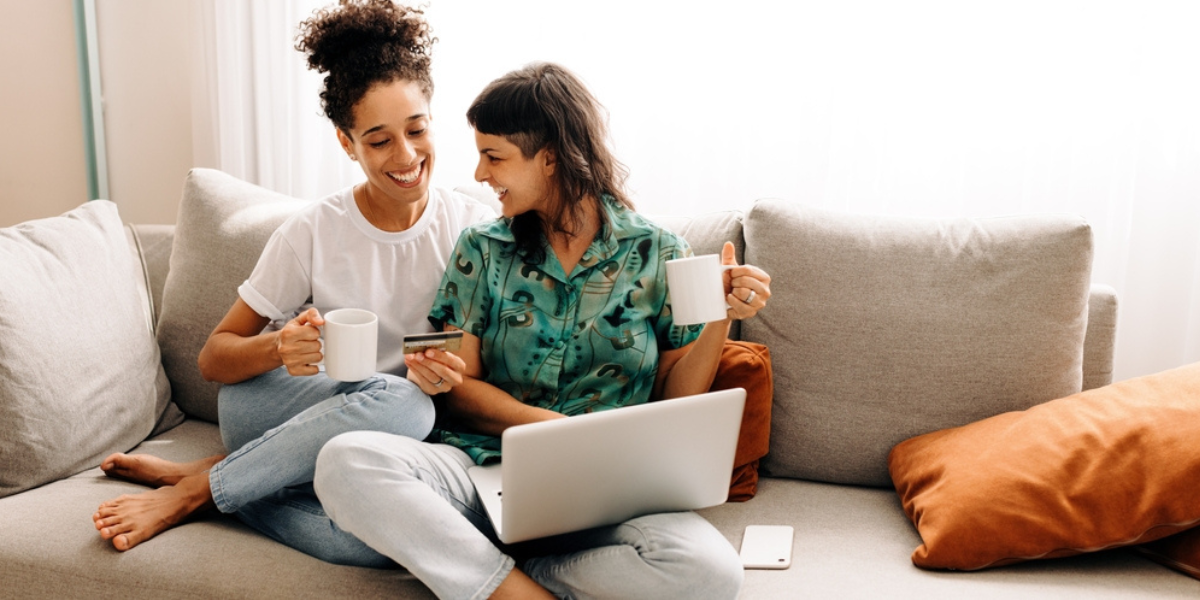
x=109, y=461
x=115, y=530
x=126, y=541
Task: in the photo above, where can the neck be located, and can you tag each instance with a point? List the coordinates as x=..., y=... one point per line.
x=385, y=213
x=569, y=246
x=585, y=228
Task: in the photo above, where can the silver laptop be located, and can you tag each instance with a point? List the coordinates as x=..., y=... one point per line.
x=608, y=467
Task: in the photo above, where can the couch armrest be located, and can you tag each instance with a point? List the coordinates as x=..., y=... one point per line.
x=1099, y=342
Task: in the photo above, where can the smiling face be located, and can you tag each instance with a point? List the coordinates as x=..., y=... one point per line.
x=392, y=141
x=522, y=183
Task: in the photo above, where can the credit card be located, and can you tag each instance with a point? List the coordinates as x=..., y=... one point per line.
x=442, y=340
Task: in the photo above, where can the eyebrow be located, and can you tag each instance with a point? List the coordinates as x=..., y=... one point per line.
x=415, y=117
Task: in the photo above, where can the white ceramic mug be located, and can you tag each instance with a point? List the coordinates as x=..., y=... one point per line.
x=351, y=337
x=697, y=289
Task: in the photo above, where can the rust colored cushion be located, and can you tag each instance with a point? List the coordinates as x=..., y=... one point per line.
x=1108, y=467
x=1180, y=551
x=748, y=365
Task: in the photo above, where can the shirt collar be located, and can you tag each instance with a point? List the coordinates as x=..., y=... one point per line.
x=620, y=223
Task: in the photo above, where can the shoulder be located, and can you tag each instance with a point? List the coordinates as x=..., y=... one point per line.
x=483, y=239
x=495, y=229
x=319, y=214
x=462, y=207
x=628, y=224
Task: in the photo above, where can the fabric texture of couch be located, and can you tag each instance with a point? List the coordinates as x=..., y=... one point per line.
x=880, y=331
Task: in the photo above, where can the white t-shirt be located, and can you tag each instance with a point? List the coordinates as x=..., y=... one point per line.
x=329, y=256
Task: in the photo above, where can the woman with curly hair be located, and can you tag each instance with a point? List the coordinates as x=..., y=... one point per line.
x=380, y=245
x=575, y=276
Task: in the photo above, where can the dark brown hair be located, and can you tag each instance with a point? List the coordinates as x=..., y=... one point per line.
x=360, y=43
x=543, y=105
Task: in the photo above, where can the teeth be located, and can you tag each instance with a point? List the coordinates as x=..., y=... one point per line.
x=407, y=177
x=500, y=191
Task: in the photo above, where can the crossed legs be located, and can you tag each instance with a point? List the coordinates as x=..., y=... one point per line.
x=414, y=502
x=278, y=423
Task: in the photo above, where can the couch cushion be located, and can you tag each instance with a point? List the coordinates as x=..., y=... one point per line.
x=707, y=233
x=155, y=243
x=80, y=375
x=223, y=225
x=1180, y=551
x=1109, y=467
x=1101, y=337
x=882, y=328
x=51, y=549
x=854, y=542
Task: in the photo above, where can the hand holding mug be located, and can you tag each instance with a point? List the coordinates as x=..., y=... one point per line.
x=747, y=287
x=299, y=343
x=711, y=288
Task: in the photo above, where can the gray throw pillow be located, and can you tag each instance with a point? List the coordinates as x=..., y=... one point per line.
x=223, y=225
x=80, y=375
x=883, y=328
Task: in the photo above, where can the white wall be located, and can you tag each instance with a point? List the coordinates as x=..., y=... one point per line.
x=43, y=170
x=146, y=78
x=145, y=68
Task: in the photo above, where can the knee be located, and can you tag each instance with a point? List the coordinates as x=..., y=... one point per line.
x=423, y=415
x=350, y=460
x=232, y=423
x=719, y=567
x=239, y=408
x=400, y=403
x=698, y=558
x=337, y=463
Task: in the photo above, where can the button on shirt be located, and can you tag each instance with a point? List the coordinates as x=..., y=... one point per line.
x=575, y=343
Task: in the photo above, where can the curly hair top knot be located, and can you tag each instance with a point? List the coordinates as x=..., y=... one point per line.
x=359, y=43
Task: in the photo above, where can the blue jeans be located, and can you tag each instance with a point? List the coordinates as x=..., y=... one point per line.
x=413, y=502
x=277, y=425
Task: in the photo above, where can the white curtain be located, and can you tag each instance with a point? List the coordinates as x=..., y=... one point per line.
x=257, y=114
x=926, y=108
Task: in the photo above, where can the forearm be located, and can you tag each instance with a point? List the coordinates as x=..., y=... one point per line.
x=693, y=373
x=231, y=358
x=485, y=408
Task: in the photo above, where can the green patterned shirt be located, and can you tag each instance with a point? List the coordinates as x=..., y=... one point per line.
x=572, y=344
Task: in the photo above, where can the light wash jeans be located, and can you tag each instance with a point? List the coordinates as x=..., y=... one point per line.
x=413, y=502
x=277, y=423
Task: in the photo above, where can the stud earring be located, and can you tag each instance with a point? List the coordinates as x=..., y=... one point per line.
x=354, y=158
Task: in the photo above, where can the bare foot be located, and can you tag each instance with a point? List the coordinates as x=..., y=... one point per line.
x=152, y=470
x=520, y=586
x=129, y=520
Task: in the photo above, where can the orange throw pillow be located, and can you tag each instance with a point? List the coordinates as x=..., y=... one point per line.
x=748, y=365
x=1180, y=552
x=1108, y=467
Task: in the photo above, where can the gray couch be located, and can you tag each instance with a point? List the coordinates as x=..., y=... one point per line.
x=879, y=329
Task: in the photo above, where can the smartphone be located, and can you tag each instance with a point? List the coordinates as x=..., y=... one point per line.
x=767, y=547
x=442, y=340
